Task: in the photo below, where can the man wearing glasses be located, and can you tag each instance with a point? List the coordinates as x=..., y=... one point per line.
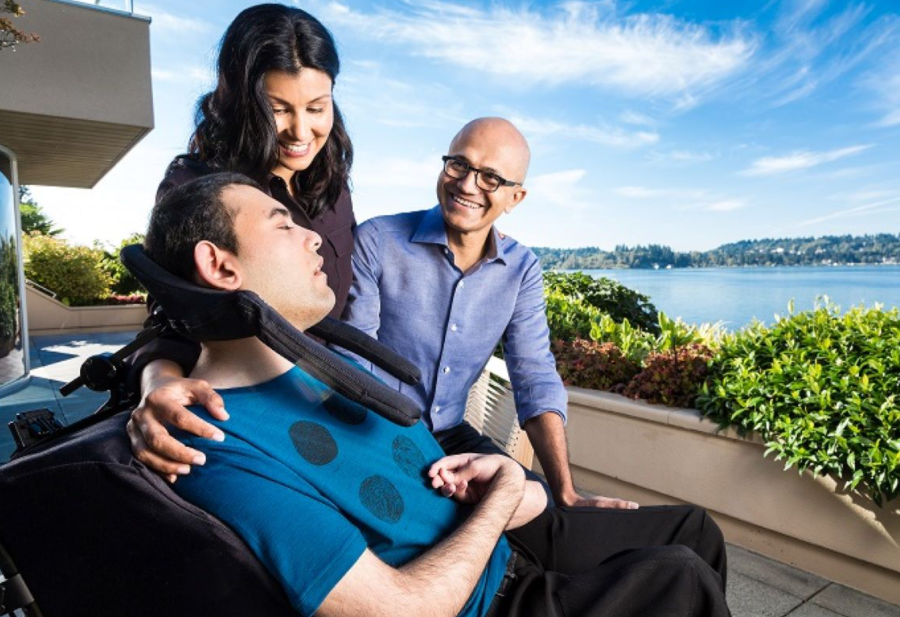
x=443, y=287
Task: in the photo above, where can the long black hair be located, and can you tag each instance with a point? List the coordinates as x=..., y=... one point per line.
x=235, y=125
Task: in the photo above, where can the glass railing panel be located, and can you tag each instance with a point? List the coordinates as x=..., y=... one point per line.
x=12, y=336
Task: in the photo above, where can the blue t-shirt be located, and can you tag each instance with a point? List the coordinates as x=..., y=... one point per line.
x=309, y=479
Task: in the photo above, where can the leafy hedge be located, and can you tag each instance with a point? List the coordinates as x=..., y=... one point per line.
x=8, y=288
x=606, y=296
x=672, y=377
x=74, y=273
x=588, y=364
x=821, y=389
x=123, y=282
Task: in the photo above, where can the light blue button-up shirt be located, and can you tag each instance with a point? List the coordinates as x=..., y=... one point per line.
x=408, y=293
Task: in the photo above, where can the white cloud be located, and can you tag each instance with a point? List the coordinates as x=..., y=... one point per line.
x=808, y=48
x=561, y=188
x=695, y=199
x=633, y=117
x=681, y=156
x=170, y=23
x=184, y=74
x=726, y=205
x=885, y=84
x=878, y=207
x=641, y=192
x=604, y=135
x=645, y=55
x=773, y=165
x=396, y=172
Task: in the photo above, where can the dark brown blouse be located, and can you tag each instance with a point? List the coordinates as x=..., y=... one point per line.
x=336, y=226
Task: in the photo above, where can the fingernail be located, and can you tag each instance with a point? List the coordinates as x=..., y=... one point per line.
x=184, y=470
x=218, y=436
x=225, y=414
x=199, y=459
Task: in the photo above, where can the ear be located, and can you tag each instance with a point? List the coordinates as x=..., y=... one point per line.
x=217, y=268
x=517, y=198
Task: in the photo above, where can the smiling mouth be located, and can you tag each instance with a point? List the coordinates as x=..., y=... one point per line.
x=465, y=203
x=294, y=149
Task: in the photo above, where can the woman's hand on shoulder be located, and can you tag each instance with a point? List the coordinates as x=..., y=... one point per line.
x=166, y=395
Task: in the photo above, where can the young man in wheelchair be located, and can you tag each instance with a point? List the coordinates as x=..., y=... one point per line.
x=355, y=515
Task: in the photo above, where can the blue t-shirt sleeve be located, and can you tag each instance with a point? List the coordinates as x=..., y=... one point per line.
x=301, y=537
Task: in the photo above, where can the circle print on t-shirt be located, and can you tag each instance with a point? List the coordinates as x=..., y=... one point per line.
x=313, y=442
x=381, y=498
x=344, y=410
x=409, y=457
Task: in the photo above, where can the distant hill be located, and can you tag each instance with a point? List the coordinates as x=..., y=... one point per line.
x=825, y=251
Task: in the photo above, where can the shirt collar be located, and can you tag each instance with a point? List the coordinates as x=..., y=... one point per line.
x=431, y=230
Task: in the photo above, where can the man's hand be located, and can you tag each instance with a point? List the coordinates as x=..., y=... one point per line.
x=468, y=478
x=598, y=501
x=166, y=396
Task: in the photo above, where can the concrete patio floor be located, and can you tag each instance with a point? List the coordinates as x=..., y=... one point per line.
x=757, y=586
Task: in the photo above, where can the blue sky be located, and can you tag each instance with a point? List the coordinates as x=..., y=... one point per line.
x=689, y=123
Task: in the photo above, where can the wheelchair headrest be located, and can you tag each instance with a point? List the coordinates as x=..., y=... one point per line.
x=204, y=314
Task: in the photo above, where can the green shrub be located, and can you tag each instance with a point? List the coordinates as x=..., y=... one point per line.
x=8, y=312
x=123, y=282
x=606, y=295
x=74, y=273
x=634, y=342
x=820, y=388
x=588, y=364
x=569, y=318
x=672, y=377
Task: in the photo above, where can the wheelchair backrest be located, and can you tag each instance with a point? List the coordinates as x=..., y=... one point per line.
x=93, y=532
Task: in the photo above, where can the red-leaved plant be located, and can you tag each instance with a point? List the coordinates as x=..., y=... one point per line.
x=589, y=364
x=673, y=377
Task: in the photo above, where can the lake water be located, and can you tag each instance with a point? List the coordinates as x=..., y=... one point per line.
x=736, y=295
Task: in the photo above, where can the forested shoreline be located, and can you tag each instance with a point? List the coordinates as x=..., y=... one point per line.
x=823, y=251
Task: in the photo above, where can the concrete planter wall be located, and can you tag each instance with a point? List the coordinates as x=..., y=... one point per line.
x=661, y=455
x=49, y=316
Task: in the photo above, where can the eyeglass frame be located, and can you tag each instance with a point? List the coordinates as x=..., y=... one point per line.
x=503, y=181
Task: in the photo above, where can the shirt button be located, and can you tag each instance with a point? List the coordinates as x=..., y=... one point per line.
x=462, y=283
x=446, y=370
x=446, y=251
x=453, y=327
x=437, y=409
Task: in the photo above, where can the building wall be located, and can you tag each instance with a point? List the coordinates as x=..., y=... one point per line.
x=90, y=65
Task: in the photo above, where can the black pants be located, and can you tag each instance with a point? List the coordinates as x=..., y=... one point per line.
x=666, y=561
x=464, y=438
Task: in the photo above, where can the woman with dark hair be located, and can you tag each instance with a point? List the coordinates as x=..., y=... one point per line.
x=271, y=117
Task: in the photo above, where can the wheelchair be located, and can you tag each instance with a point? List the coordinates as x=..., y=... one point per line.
x=130, y=546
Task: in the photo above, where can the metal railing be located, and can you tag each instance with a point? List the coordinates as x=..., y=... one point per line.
x=41, y=288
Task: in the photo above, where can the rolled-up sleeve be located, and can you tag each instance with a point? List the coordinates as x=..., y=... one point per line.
x=536, y=385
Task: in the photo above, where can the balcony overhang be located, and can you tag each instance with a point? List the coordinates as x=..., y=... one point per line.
x=72, y=105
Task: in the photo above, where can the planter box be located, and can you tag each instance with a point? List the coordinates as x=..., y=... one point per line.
x=660, y=455
x=49, y=316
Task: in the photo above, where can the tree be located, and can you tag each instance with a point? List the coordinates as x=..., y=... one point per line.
x=10, y=36
x=33, y=217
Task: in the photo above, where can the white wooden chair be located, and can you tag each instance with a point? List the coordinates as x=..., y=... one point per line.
x=491, y=409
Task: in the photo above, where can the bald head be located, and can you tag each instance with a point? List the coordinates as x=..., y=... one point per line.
x=504, y=137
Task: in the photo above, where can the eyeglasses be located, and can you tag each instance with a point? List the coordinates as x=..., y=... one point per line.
x=485, y=180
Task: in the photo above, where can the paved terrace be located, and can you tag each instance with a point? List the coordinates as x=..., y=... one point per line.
x=757, y=586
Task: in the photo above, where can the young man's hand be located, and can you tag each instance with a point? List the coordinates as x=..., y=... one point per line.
x=468, y=478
